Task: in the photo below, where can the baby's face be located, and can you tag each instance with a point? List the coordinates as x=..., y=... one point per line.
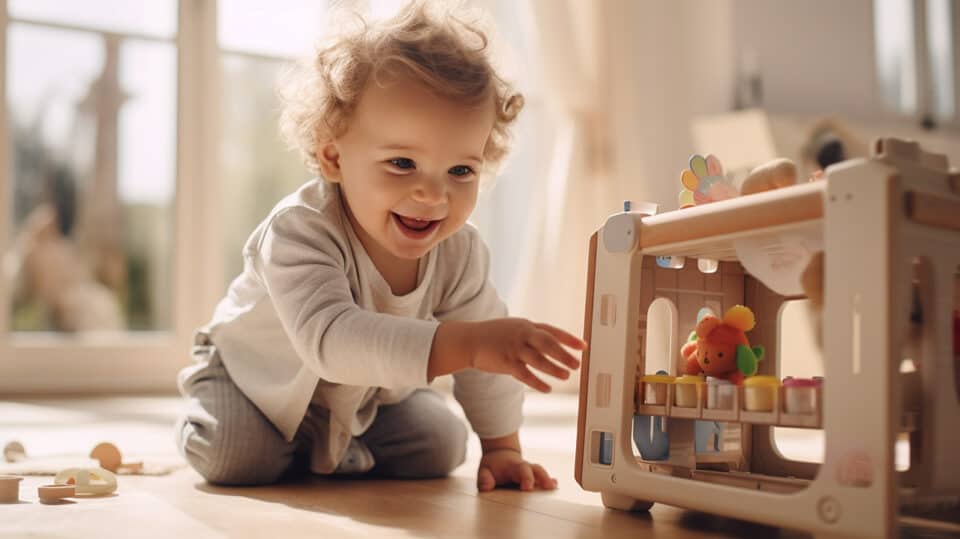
x=408, y=166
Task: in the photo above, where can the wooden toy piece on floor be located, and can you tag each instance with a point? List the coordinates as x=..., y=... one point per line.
x=88, y=481
x=109, y=457
x=53, y=494
x=78, y=482
x=10, y=488
x=14, y=452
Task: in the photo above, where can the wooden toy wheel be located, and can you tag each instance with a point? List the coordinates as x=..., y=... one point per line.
x=613, y=500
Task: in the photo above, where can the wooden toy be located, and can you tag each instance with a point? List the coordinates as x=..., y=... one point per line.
x=14, y=452
x=889, y=226
x=109, y=457
x=10, y=488
x=52, y=494
x=88, y=481
x=106, y=454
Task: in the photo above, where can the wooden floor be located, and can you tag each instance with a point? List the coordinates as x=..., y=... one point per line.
x=181, y=505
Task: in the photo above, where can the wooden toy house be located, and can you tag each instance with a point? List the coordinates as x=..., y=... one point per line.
x=890, y=231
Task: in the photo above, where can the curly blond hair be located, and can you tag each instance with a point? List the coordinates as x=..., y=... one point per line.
x=441, y=49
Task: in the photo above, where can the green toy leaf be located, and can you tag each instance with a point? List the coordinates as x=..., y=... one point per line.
x=698, y=165
x=759, y=352
x=746, y=360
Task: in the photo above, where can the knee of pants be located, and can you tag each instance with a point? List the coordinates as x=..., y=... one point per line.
x=446, y=448
x=222, y=459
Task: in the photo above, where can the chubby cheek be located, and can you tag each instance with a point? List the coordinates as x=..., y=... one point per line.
x=462, y=202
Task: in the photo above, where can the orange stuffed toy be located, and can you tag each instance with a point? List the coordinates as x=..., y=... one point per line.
x=720, y=348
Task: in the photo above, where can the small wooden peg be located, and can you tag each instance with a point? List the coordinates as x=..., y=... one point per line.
x=10, y=488
x=14, y=452
x=108, y=455
x=50, y=494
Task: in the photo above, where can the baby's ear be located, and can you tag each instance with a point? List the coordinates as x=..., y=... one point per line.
x=328, y=158
x=706, y=325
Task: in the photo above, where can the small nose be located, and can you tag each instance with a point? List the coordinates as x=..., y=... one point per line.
x=430, y=189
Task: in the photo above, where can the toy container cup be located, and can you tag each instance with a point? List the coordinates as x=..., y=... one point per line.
x=759, y=392
x=10, y=488
x=655, y=388
x=720, y=393
x=685, y=393
x=800, y=395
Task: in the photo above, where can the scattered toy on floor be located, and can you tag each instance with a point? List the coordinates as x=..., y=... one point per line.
x=14, y=452
x=10, y=488
x=110, y=459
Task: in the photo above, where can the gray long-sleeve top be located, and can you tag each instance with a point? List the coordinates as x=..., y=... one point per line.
x=311, y=320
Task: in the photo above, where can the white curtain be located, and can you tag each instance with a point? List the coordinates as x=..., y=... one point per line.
x=574, y=196
x=623, y=79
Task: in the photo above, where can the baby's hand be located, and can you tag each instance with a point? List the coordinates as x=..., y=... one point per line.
x=507, y=467
x=513, y=345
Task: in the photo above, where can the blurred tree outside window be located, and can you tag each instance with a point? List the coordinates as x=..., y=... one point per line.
x=91, y=98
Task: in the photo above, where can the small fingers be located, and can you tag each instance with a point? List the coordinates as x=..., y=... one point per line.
x=522, y=373
x=531, y=356
x=543, y=478
x=547, y=344
x=523, y=476
x=485, y=480
x=562, y=336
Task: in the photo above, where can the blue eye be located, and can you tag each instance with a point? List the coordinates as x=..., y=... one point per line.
x=461, y=170
x=403, y=163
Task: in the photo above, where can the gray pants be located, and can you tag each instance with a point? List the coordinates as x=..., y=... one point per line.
x=229, y=441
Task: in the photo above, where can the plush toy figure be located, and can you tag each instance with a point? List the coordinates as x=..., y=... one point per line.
x=721, y=348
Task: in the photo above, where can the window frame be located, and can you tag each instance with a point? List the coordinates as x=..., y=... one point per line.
x=142, y=362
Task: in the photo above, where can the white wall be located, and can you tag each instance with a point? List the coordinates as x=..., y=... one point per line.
x=815, y=56
x=676, y=62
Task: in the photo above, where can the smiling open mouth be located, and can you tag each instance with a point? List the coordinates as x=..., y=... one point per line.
x=415, y=228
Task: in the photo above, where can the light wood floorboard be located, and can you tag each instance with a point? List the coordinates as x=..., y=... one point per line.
x=181, y=505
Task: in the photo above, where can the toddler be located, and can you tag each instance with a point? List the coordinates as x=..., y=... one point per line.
x=367, y=283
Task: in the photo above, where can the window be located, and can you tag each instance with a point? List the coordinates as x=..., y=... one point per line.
x=916, y=50
x=257, y=40
x=91, y=203
x=95, y=289
x=143, y=148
